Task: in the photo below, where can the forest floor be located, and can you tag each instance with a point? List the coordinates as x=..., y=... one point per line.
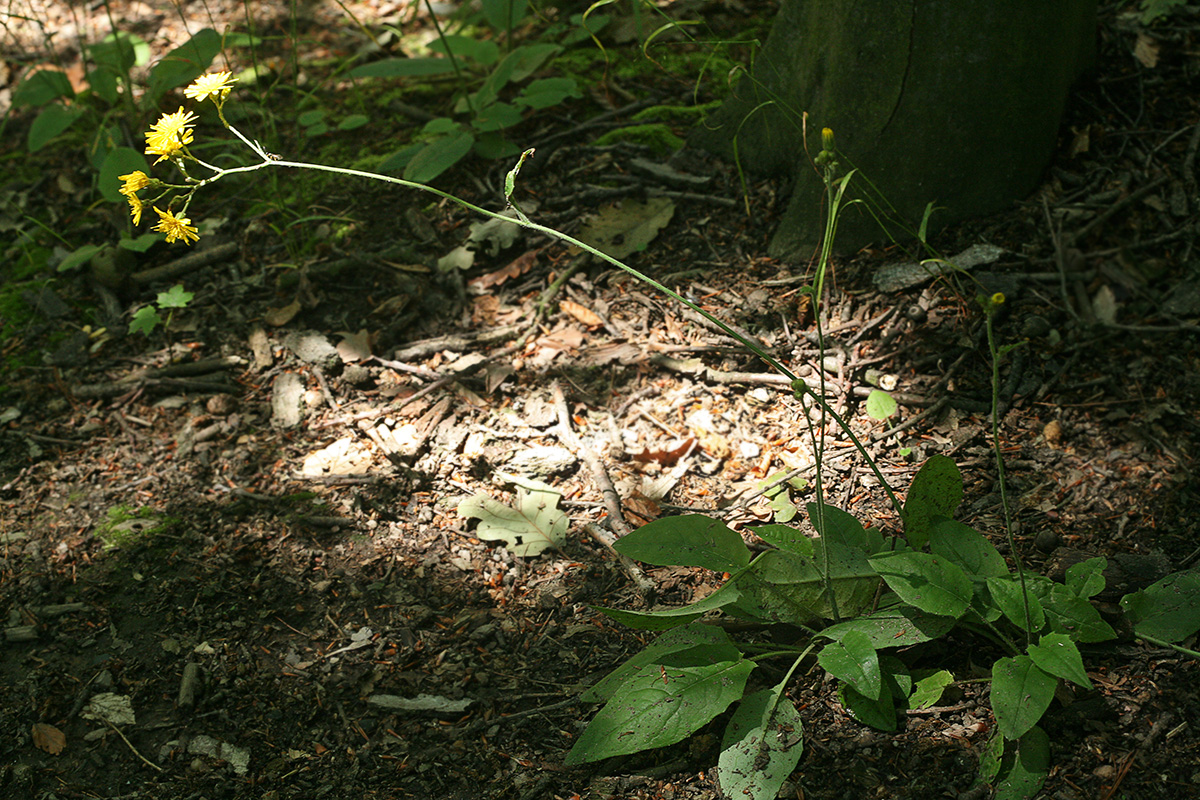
x=232, y=563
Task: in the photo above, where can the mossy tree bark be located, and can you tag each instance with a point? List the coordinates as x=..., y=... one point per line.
x=954, y=102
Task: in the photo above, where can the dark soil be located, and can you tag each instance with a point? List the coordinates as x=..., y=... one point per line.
x=261, y=555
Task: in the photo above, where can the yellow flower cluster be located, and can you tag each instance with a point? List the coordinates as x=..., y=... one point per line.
x=133, y=183
x=170, y=134
x=166, y=139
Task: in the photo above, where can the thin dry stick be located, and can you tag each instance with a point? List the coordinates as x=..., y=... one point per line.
x=612, y=501
x=134, y=749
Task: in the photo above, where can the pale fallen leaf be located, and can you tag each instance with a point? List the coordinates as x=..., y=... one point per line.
x=1146, y=51
x=355, y=347
x=282, y=316
x=48, y=738
x=533, y=525
x=1104, y=305
x=581, y=313
x=627, y=227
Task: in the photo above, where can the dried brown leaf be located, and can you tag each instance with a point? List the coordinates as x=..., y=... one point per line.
x=282, y=316
x=581, y=313
x=48, y=738
x=513, y=269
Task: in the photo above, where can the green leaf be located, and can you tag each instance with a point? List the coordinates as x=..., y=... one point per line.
x=967, y=548
x=928, y=582
x=666, y=618
x=879, y=713
x=880, y=405
x=1006, y=594
x=1057, y=654
x=928, y=690
x=853, y=659
x=403, y=68
x=1070, y=614
x=714, y=641
x=53, y=120
x=353, y=121
x=528, y=59
x=936, y=492
x=183, y=64
x=547, y=92
x=496, y=117
x=786, y=538
x=1021, y=693
x=438, y=156
x=1024, y=770
x=42, y=87
x=690, y=540
x=311, y=117
x=175, y=298
x=484, y=52
x=784, y=587
x=503, y=15
x=902, y=626
x=762, y=744
x=840, y=529
x=145, y=320
x=141, y=244
x=1169, y=609
x=1086, y=578
x=534, y=525
x=1154, y=10
x=660, y=705
x=78, y=257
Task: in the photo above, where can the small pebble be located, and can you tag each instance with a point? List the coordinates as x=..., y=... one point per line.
x=1047, y=541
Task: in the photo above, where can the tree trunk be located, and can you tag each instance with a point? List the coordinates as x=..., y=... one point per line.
x=954, y=102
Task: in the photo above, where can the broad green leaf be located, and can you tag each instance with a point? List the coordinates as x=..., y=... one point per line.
x=353, y=121
x=879, y=713
x=929, y=582
x=528, y=59
x=689, y=540
x=786, y=587
x=1057, y=654
x=175, y=298
x=666, y=618
x=880, y=405
x=966, y=547
x=1024, y=770
x=1070, y=614
x=762, y=744
x=1169, y=609
x=853, y=659
x=1021, y=693
x=1006, y=594
x=935, y=492
x=838, y=528
x=403, y=68
x=503, y=15
x=145, y=320
x=78, y=257
x=534, y=525
x=183, y=64
x=484, y=52
x=547, y=92
x=902, y=626
x=311, y=117
x=53, y=120
x=786, y=538
x=496, y=117
x=928, y=690
x=438, y=156
x=713, y=640
x=41, y=87
x=120, y=161
x=659, y=705
x=1086, y=578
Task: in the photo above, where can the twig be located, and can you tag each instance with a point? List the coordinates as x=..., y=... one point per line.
x=131, y=747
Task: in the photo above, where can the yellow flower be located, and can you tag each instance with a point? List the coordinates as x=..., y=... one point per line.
x=176, y=228
x=215, y=85
x=134, y=182
x=998, y=299
x=135, y=208
x=168, y=136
